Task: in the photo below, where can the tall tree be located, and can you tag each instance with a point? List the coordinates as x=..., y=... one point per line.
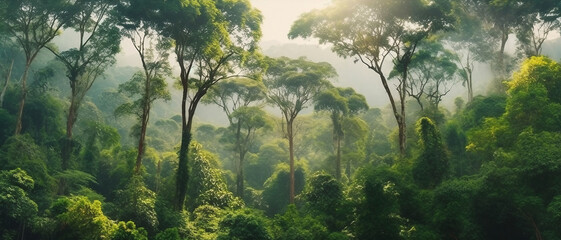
x=374, y=31
x=33, y=23
x=150, y=84
x=342, y=103
x=500, y=18
x=208, y=36
x=235, y=96
x=432, y=72
x=234, y=93
x=292, y=84
x=98, y=43
x=228, y=56
x=469, y=41
x=536, y=26
x=246, y=121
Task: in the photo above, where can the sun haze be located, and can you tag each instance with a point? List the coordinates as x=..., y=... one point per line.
x=278, y=16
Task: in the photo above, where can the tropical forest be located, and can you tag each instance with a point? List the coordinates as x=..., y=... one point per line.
x=280, y=120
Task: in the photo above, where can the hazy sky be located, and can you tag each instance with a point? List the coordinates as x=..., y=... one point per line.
x=280, y=14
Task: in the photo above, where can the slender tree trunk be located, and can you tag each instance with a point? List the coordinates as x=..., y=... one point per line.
x=239, y=163
x=239, y=177
x=22, y=99
x=398, y=117
x=502, y=67
x=182, y=168
x=289, y=129
x=67, y=144
x=338, y=160
x=6, y=85
x=72, y=116
x=470, y=87
x=401, y=121
x=144, y=119
x=348, y=168
x=142, y=137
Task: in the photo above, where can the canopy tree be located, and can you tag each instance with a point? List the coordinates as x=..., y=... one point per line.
x=229, y=56
x=97, y=44
x=208, y=36
x=432, y=72
x=292, y=84
x=246, y=121
x=235, y=93
x=374, y=31
x=469, y=41
x=33, y=23
x=235, y=96
x=341, y=103
x=500, y=18
x=536, y=26
x=149, y=85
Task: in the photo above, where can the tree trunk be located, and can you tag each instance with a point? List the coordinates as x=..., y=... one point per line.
x=68, y=144
x=72, y=116
x=290, y=134
x=142, y=137
x=239, y=163
x=402, y=135
x=470, y=87
x=502, y=67
x=338, y=160
x=401, y=120
x=348, y=168
x=182, y=168
x=144, y=119
x=22, y=100
x=398, y=117
x=239, y=177
x=6, y=85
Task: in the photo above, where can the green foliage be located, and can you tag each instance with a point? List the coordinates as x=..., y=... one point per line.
x=292, y=83
x=456, y=141
x=504, y=176
x=260, y=168
x=43, y=119
x=79, y=218
x=376, y=206
x=7, y=121
x=454, y=208
x=168, y=218
x=98, y=137
x=232, y=94
x=481, y=108
x=17, y=208
x=70, y=181
x=432, y=72
x=205, y=222
x=294, y=225
x=244, y=225
x=21, y=152
x=538, y=154
x=342, y=104
x=431, y=166
x=168, y=234
x=325, y=200
x=137, y=203
x=534, y=95
x=128, y=231
x=207, y=186
x=275, y=193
